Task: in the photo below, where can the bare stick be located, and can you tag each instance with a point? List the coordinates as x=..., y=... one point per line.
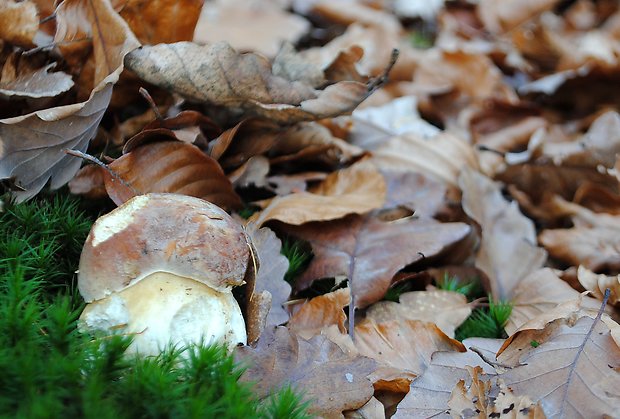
x=145, y=94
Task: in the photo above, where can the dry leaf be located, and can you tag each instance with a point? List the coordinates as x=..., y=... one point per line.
x=356, y=190
x=501, y=16
x=37, y=84
x=430, y=393
x=90, y=182
x=597, y=284
x=171, y=167
x=446, y=309
x=328, y=377
x=18, y=22
x=373, y=409
x=271, y=271
x=325, y=310
x=218, y=75
x=404, y=346
x=369, y=252
x=538, y=293
x=259, y=26
x=570, y=369
x=413, y=191
x=508, y=250
x=441, y=157
x=31, y=146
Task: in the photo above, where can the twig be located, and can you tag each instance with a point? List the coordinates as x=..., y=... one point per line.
x=92, y=159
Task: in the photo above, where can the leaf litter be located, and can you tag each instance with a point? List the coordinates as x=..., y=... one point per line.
x=487, y=150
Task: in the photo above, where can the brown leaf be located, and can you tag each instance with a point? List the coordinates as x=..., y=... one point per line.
x=369, y=252
x=272, y=268
x=508, y=250
x=357, y=189
x=430, y=393
x=89, y=181
x=18, y=22
x=261, y=26
x=158, y=21
x=173, y=167
x=446, y=309
x=318, y=368
x=37, y=84
x=31, y=146
x=218, y=75
x=570, y=370
x=413, y=191
x=322, y=311
x=501, y=16
x=405, y=346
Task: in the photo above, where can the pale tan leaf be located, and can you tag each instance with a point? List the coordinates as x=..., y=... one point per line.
x=31, y=146
x=356, y=190
x=538, y=293
x=373, y=409
x=597, y=284
x=446, y=309
x=18, y=22
x=570, y=370
x=500, y=16
x=508, y=251
x=259, y=26
x=328, y=377
x=37, y=84
x=170, y=167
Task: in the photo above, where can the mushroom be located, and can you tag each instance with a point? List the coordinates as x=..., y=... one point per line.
x=161, y=268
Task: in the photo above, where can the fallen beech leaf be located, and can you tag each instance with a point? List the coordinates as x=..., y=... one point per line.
x=405, y=346
x=89, y=181
x=430, y=393
x=570, y=370
x=31, y=146
x=597, y=284
x=328, y=377
x=217, y=74
x=357, y=189
x=252, y=172
x=259, y=26
x=272, y=268
x=446, y=309
x=508, y=250
x=37, y=84
x=413, y=191
x=441, y=157
x=369, y=252
x=322, y=311
x=18, y=22
x=538, y=293
x=172, y=167
x=373, y=409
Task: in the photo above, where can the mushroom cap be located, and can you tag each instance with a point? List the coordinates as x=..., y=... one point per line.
x=173, y=233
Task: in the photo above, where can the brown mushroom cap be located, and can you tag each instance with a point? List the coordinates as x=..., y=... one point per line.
x=186, y=236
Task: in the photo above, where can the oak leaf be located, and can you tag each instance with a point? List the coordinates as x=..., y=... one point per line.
x=333, y=380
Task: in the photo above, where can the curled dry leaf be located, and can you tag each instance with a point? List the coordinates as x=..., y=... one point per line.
x=259, y=26
x=331, y=379
x=403, y=349
x=499, y=16
x=430, y=393
x=172, y=167
x=272, y=267
x=38, y=84
x=357, y=189
x=90, y=182
x=597, y=284
x=508, y=250
x=571, y=370
x=369, y=252
x=320, y=312
x=218, y=75
x=31, y=146
x=447, y=309
x=538, y=293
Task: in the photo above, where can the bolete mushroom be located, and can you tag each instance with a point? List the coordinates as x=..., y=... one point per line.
x=161, y=268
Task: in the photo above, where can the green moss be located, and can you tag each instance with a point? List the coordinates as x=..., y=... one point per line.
x=454, y=284
x=49, y=369
x=486, y=322
x=298, y=258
